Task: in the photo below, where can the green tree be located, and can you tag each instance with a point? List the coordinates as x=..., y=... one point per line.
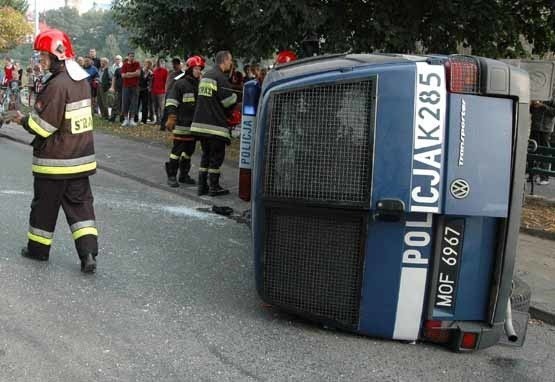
x=177, y=27
x=257, y=28
x=93, y=29
x=13, y=28
x=19, y=5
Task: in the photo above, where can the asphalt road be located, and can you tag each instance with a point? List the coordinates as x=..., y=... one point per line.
x=174, y=300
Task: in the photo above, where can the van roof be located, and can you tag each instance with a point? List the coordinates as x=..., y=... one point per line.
x=337, y=61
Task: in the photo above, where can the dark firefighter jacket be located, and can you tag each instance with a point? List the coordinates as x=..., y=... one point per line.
x=215, y=100
x=62, y=124
x=181, y=101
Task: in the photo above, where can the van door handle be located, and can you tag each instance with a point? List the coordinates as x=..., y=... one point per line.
x=390, y=210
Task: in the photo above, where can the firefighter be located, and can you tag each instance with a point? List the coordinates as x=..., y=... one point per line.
x=180, y=108
x=63, y=152
x=215, y=103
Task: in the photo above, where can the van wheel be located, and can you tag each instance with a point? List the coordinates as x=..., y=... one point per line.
x=520, y=296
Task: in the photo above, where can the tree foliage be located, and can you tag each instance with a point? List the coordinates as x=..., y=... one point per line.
x=13, y=28
x=176, y=27
x=258, y=28
x=19, y=5
x=93, y=29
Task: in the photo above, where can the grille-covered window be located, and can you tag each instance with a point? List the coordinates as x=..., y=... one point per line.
x=319, y=143
x=313, y=263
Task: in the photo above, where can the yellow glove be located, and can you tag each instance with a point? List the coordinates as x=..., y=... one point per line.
x=170, y=122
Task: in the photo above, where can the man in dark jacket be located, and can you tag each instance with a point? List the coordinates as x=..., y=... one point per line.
x=63, y=154
x=105, y=79
x=216, y=100
x=180, y=109
x=117, y=89
x=543, y=120
x=170, y=81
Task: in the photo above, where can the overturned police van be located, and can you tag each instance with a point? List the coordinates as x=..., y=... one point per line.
x=387, y=194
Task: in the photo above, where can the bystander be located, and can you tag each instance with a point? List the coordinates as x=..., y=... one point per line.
x=543, y=120
x=159, y=78
x=130, y=73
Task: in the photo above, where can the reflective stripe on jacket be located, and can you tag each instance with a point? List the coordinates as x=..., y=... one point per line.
x=62, y=124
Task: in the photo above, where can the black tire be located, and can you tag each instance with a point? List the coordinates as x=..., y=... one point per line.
x=520, y=296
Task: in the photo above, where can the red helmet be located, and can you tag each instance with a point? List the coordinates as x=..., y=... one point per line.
x=285, y=56
x=56, y=42
x=195, y=61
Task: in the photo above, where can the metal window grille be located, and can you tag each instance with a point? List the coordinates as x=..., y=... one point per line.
x=319, y=143
x=313, y=263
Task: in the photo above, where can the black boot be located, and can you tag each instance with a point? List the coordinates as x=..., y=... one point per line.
x=184, y=167
x=202, y=183
x=215, y=189
x=25, y=253
x=88, y=263
x=171, y=171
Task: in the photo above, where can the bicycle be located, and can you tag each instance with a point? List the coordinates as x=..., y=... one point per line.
x=4, y=99
x=15, y=98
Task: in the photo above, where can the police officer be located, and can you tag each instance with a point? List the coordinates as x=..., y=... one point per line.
x=63, y=153
x=215, y=103
x=180, y=109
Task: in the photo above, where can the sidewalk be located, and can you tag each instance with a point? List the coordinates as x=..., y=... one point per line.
x=143, y=162
x=535, y=264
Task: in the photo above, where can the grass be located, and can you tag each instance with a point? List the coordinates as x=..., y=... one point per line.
x=538, y=214
x=152, y=133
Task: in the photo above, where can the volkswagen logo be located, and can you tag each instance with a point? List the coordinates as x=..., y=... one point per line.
x=460, y=189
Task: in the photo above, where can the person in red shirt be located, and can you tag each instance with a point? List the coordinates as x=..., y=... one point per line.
x=9, y=70
x=130, y=73
x=159, y=78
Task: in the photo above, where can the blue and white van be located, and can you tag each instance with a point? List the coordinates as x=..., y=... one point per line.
x=387, y=193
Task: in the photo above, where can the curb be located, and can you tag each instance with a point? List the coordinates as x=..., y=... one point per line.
x=22, y=141
x=543, y=199
x=230, y=162
x=542, y=315
x=538, y=233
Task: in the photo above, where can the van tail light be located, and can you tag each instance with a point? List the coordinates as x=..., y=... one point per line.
x=463, y=74
x=469, y=341
x=434, y=332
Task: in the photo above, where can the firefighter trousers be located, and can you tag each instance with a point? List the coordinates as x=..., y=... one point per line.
x=181, y=150
x=213, y=154
x=76, y=199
